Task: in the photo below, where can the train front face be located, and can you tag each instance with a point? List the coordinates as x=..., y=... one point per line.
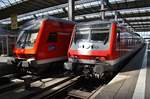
x=26, y=45
x=90, y=48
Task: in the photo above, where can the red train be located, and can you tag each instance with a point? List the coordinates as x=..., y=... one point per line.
x=99, y=47
x=41, y=42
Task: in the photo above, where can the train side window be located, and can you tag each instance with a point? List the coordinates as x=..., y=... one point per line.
x=52, y=37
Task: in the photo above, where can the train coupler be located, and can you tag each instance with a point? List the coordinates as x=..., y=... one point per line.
x=68, y=66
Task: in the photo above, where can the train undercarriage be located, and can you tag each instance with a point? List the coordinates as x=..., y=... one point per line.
x=31, y=67
x=99, y=70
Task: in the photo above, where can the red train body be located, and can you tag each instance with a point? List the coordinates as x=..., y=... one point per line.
x=100, y=47
x=41, y=42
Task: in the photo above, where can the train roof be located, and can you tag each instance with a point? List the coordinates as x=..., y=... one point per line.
x=40, y=19
x=59, y=19
x=95, y=22
x=37, y=22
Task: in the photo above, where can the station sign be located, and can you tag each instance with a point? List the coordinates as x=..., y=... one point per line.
x=14, y=23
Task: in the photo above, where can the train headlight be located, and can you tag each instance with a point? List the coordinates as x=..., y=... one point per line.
x=73, y=59
x=97, y=59
x=30, y=59
x=102, y=58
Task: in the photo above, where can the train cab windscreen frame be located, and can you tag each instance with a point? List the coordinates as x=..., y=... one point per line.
x=28, y=35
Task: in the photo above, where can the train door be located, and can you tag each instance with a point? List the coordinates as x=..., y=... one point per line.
x=52, y=44
x=57, y=43
x=64, y=40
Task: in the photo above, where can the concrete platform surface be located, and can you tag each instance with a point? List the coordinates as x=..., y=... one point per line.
x=133, y=80
x=5, y=68
x=4, y=59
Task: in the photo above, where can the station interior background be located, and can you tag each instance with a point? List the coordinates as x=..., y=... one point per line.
x=132, y=18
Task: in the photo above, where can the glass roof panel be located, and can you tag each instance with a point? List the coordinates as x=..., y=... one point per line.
x=79, y=5
x=7, y=3
x=140, y=23
x=83, y=4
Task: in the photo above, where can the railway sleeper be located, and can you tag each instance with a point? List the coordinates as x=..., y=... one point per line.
x=79, y=94
x=28, y=79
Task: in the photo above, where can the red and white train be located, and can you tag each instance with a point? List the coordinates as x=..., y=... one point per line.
x=41, y=42
x=99, y=47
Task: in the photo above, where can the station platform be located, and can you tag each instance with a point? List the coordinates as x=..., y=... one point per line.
x=132, y=82
x=4, y=59
x=5, y=68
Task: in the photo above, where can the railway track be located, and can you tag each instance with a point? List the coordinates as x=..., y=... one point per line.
x=83, y=94
x=15, y=83
x=52, y=88
x=61, y=87
x=8, y=82
x=79, y=89
x=37, y=88
x=56, y=87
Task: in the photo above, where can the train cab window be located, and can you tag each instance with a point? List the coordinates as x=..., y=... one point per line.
x=93, y=33
x=52, y=37
x=100, y=36
x=100, y=32
x=27, y=38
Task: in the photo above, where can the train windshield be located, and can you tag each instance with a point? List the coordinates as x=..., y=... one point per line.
x=94, y=32
x=27, y=39
x=28, y=34
x=82, y=33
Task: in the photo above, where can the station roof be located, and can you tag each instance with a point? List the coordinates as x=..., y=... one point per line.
x=25, y=6
x=133, y=13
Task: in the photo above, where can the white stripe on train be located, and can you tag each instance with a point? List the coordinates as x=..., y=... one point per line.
x=43, y=61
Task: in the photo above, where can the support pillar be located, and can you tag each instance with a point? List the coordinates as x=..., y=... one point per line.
x=116, y=16
x=7, y=45
x=71, y=7
x=3, y=47
x=102, y=9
